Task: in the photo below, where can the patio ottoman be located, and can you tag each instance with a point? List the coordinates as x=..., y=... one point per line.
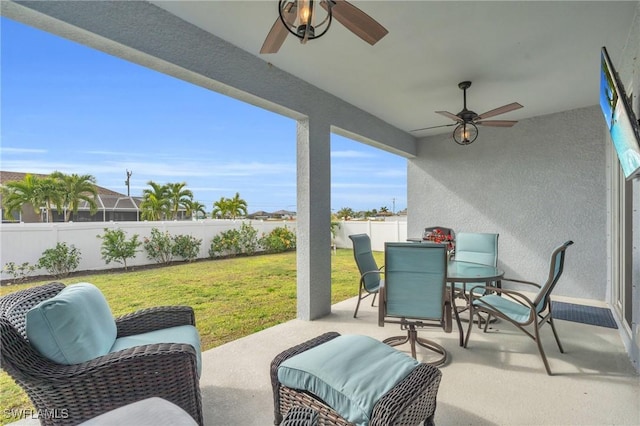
x=354, y=380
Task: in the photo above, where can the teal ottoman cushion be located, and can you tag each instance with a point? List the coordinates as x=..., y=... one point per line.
x=186, y=334
x=349, y=373
x=72, y=327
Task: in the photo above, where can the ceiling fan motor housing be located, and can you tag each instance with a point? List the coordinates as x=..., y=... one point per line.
x=467, y=115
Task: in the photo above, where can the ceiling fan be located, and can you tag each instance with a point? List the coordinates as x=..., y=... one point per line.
x=302, y=19
x=466, y=120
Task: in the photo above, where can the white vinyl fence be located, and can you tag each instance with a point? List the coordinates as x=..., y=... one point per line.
x=25, y=242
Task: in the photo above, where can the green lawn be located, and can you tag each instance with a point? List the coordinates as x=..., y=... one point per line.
x=232, y=298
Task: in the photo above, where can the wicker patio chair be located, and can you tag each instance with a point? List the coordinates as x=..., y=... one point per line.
x=71, y=394
x=412, y=401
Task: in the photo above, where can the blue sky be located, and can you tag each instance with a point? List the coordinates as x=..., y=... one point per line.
x=67, y=107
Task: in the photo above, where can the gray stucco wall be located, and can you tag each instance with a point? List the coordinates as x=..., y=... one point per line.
x=537, y=184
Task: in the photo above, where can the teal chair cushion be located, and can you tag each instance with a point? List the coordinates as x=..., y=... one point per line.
x=416, y=280
x=517, y=312
x=186, y=334
x=479, y=248
x=349, y=373
x=72, y=327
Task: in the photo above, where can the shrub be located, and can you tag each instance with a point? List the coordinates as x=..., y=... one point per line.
x=116, y=247
x=235, y=241
x=159, y=246
x=19, y=273
x=226, y=243
x=186, y=246
x=278, y=240
x=248, y=239
x=60, y=260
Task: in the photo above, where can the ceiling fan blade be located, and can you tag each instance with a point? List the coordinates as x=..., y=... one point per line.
x=278, y=32
x=356, y=21
x=449, y=115
x=501, y=110
x=496, y=123
x=433, y=127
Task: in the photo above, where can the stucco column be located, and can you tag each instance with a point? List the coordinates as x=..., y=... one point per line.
x=314, y=219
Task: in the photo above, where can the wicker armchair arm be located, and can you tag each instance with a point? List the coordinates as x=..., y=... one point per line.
x=166, y=370
x=280, y=358
x=410, y=402
x=155, y=318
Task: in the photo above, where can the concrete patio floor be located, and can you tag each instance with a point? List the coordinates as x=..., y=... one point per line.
x=498, y=380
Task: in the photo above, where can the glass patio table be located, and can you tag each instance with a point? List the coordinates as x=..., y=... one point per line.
x=466, y=273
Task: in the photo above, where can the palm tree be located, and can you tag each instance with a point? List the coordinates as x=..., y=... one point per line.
x=345, y=213
x=155, y=203
x=77, y=188
x=229, y=207
x=220, y=208
x=17, y=194
x=178, y=197
x=195, y=207
x=237, y=206
x=49, y=193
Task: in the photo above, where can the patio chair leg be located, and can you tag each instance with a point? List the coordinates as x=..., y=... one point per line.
x=486, y=324
x=413, y=336
x=358, y=304
x=374, y=298
x=466, y=338
x=396, y=340
x=542, y=354
x=555, y=334
x=459, y=323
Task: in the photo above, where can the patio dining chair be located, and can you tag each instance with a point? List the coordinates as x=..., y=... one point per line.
x=370, y=273
x=475, y=247
x=76, y=362
x=518, y=309
x=414, y=294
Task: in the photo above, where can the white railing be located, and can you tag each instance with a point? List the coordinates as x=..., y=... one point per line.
x=25, y=242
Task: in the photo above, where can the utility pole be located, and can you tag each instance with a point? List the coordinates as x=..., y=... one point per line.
x=393, y=210
x=127, y=183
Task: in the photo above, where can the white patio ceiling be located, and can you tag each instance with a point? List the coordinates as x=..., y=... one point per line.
x=544, y=55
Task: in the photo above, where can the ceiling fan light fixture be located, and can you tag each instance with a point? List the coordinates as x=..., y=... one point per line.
x=304, y=25
x=465, y=133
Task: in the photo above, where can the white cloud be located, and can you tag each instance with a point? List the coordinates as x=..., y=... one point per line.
x=351, y=154
x=117, y=153
x=9, y=150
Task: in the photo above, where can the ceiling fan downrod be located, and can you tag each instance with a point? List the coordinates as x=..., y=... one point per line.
x=465, y=114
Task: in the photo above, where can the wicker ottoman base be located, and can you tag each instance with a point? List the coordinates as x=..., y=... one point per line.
x=412, y=401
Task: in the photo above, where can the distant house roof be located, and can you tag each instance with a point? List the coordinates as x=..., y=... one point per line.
x=259, y=214
x=284, y=213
